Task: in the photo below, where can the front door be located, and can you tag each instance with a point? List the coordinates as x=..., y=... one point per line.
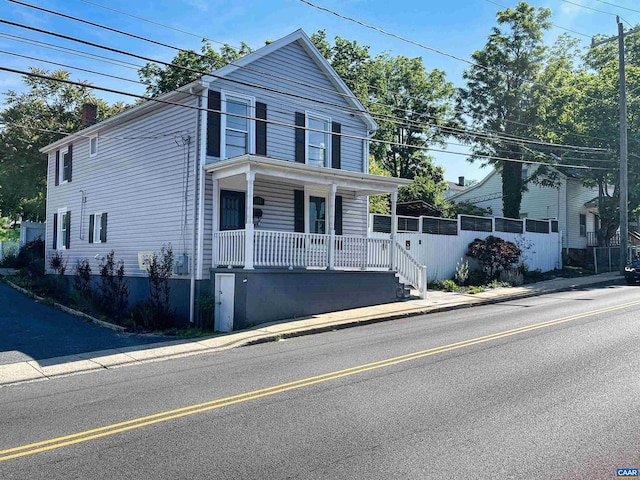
x=224, y=284
x=232, y=210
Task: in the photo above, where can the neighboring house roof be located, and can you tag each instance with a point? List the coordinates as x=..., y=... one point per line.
x=417, y=208
x=200, y=84
x=475, y=186
x=453, y=186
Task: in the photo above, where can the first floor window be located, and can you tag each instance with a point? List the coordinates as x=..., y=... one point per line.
x=317, y=214
x=98, y=228
x=62, y=229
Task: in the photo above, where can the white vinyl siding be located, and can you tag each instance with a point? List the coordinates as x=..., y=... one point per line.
x=140, y=181
x=317, y=92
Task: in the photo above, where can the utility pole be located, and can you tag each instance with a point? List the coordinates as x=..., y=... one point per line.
x=624, y=177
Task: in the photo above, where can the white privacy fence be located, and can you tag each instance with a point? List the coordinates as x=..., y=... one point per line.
x=539, y=240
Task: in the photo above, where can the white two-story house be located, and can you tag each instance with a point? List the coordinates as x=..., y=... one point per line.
x=256, y=175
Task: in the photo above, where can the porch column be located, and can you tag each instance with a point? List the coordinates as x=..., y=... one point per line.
x=248, y=228
x=394, y=228
x=215, y=254
x=332, y=226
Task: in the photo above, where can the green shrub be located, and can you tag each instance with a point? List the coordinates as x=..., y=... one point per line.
x=462, y=272
x=473, y=289
x=57, y=262
x=449, y=286
x=206, y=305
x=113, y=292
x=82, y=277
x=476, y=277
x=493, y=254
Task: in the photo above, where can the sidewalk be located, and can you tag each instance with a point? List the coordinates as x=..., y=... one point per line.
x=436, y=301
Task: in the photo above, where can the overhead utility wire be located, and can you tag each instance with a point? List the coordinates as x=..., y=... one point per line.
x=232, y=63
x=278, y=123
x=619, y=6
x=66, y=37
x=427, y=47
x=400, y=121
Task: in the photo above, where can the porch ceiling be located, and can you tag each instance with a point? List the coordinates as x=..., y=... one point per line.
x=361, y=183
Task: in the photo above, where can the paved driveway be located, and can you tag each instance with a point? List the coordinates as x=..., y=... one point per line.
x=31, y=331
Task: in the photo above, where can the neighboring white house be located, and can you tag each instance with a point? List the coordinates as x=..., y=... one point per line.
x=567, y=204
x=256, y=174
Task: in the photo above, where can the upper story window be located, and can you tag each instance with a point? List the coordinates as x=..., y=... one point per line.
x=64, y=163
x=318, y=140
x=237, y=125
x=93, y=146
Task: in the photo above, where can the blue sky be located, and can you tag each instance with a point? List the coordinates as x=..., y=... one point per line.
x=457, y=27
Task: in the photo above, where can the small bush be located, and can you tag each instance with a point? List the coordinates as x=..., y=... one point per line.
x=476, y=277
x=57, y=262
x=207, y=305
x=159, y=271
x=494, y=254
x=462, y=272
x=473, y=289
x=31, y=251
x=449, y=286
x=82, y=277
x=113, y=293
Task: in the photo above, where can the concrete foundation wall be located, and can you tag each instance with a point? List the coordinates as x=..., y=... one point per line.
x=269, y=295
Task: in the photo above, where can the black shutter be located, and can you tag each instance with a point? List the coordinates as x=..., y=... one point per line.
x=298, y=211
x=213, y=124
x=336, y=141
x=300, y=143
x=70, y=162
x=68, y=232
x=55, y=231
x=57, y=169
x=338, y=224
x=91, y=227
x=103, y=228
x=261, y=129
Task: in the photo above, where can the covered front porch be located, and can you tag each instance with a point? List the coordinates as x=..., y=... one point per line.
x=278, y=214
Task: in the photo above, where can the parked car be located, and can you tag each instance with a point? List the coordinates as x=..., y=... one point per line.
x=632, y=272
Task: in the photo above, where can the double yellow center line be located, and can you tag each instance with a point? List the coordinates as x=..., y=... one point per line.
x=115, y=428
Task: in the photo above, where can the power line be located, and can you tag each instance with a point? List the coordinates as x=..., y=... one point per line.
x=432, y=49
x=402, y=120
x=278, y=123
x=353, y=110
x=619, y=6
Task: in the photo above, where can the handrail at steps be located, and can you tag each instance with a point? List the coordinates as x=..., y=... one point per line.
x=410, y=270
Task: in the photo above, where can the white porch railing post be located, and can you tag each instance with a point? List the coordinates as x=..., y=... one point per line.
x=394, y=230
x=215, y=254
x=248, y=237
x=332, y=227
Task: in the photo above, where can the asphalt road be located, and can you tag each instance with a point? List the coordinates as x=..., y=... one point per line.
x=32, y=331
x=488, y=392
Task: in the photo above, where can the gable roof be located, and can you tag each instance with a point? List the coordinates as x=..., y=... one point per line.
x=305, y=42
x=197, y=85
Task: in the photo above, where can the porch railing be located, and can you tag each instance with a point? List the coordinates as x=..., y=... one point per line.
x=410, y=270
x=304, y=250
x=301, y=250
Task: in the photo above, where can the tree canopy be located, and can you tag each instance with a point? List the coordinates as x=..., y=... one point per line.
x=46, y=112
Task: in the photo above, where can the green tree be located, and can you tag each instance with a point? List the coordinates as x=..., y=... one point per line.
x=46, y=112
x=500, y=94
x=189, y=65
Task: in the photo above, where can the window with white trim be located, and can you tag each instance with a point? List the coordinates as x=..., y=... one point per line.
x=318, y=140
x=237, y=129
x=63, y=229
x=316, y=207
x=98, y=228
x=93, y=146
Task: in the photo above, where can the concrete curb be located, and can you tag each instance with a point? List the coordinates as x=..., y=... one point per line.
x=21, y=372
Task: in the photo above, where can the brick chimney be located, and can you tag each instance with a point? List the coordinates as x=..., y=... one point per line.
x=461, y=181
x=89, y=114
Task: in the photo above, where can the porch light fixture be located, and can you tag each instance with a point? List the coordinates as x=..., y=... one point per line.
x=257, y=216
